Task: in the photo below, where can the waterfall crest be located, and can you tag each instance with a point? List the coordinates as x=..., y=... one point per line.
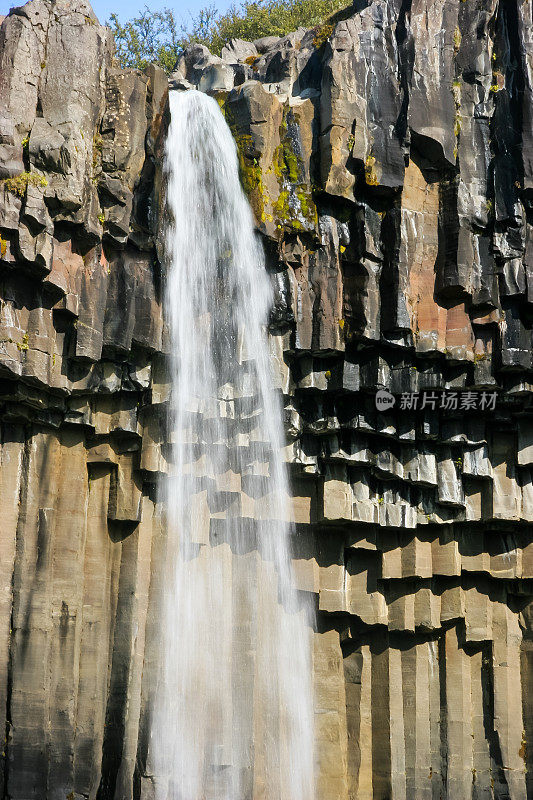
x=233, y=716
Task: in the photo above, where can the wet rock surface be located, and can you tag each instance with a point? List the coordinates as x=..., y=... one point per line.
x=387, y=155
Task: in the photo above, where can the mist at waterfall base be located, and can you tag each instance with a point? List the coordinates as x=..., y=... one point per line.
x=233, y=714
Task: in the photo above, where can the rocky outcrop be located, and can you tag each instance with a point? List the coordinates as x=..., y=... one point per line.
x=387, y=156
x=81, y=340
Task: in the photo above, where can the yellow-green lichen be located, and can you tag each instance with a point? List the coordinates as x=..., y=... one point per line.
x=250, y=172
x=457, y=38
x=282, y=211
x=306, y=204
x=457, y=123
x=23, y=345
x=20, y=183
x=3, y=247
x=285, y=161
x=294, y=207
x=221, y=98
x=371, y=177
x=291, y=162
x=498, y=81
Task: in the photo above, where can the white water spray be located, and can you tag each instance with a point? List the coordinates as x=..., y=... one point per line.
x=233, y=716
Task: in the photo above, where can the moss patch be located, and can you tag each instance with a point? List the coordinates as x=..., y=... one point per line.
x=221, y=98
x=498, y=81
x=371, y=177
x=250, y=172
x=20, y=183
x=457, y=38
x=23, y=345
x=294, y=207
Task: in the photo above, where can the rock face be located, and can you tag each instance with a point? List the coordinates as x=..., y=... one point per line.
x=388, y=156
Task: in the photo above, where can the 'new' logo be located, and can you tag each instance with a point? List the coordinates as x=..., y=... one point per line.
x=384, y=400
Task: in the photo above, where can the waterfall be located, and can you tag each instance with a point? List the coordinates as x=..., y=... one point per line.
x=233, y=717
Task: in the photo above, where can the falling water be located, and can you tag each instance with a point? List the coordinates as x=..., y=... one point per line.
x=233, y=714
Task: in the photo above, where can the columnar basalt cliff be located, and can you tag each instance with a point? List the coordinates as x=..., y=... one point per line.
x=388, y=157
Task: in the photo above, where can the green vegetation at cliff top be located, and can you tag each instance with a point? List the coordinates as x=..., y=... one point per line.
x=156, y=35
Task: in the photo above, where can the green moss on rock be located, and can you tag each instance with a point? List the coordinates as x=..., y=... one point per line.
x=294, y=207
x=371, y=177
x=250, y=171
x=20, y=183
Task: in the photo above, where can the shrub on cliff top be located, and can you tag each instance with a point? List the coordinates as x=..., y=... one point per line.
x=157, y=36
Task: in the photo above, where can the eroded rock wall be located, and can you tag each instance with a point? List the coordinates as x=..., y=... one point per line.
x=387, y=156
x=81, y=343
